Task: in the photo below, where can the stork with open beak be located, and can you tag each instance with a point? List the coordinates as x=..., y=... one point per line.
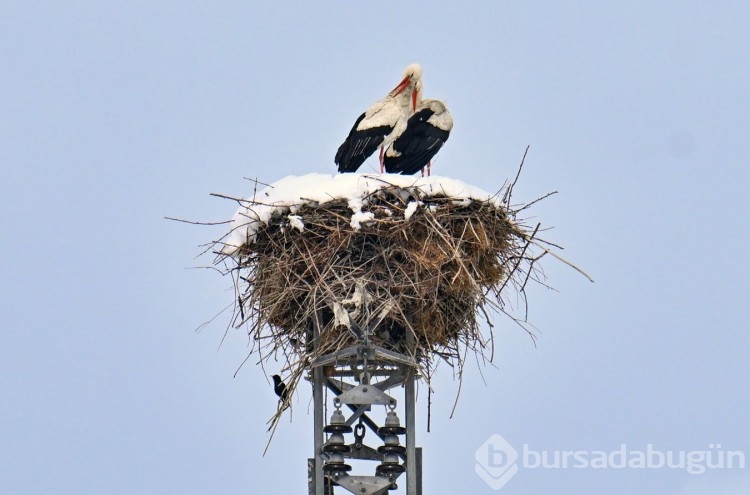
x=383, y=122
x=426, y=132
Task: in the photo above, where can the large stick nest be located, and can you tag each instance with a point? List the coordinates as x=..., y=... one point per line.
x=424, y=277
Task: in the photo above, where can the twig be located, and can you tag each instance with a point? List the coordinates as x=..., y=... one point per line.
x=198, y=223
x=509, y=191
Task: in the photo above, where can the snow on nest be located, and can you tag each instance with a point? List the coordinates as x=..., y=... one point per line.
x=286, y=196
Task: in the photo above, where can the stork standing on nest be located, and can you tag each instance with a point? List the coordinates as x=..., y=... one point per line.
x=383, y=122
x=426, y=132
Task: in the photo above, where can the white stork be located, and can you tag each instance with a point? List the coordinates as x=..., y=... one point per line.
x=426, y=132
x=383, y=122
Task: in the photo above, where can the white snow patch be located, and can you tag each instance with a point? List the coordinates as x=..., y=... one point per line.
x=411, y=208
x=287, y=195
x=296, y=222
x=361, y=217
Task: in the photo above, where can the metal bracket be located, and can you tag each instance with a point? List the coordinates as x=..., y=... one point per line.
x=365, y=394
x=364, y=485
x=365, y=452
x=356, y=352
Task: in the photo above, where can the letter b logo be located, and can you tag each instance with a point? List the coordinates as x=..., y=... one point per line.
x=496, y=462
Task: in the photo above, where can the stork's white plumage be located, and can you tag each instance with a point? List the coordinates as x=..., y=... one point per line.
x=383, y=122
x=427, y=130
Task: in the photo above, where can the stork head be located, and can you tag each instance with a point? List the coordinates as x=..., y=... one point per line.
x=412, y=74
x=413, y=71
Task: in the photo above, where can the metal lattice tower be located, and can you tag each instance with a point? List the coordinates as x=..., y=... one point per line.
x=357, y=378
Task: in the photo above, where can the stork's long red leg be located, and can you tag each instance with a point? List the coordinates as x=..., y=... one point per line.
x=429, y=168
x=382, y=161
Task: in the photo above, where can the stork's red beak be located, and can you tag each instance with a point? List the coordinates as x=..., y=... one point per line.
x=401, y=86
x=414, y=100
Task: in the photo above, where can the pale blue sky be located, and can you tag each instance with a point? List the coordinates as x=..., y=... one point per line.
x=116, y=114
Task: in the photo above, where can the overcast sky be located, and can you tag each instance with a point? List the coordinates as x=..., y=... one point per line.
x=116, y=114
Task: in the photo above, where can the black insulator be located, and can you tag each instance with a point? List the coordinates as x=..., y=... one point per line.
x=334, y=447
x=394, y=486
x=336, y=467
x=391, y=430
x=336, y=428
x=388, y=468
x=392, y=449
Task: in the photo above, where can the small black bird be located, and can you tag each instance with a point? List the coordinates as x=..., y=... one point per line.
x=280, y=388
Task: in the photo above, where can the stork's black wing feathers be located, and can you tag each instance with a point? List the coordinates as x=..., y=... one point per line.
x=410, y=164
x=419, y=143
x=359, y=145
